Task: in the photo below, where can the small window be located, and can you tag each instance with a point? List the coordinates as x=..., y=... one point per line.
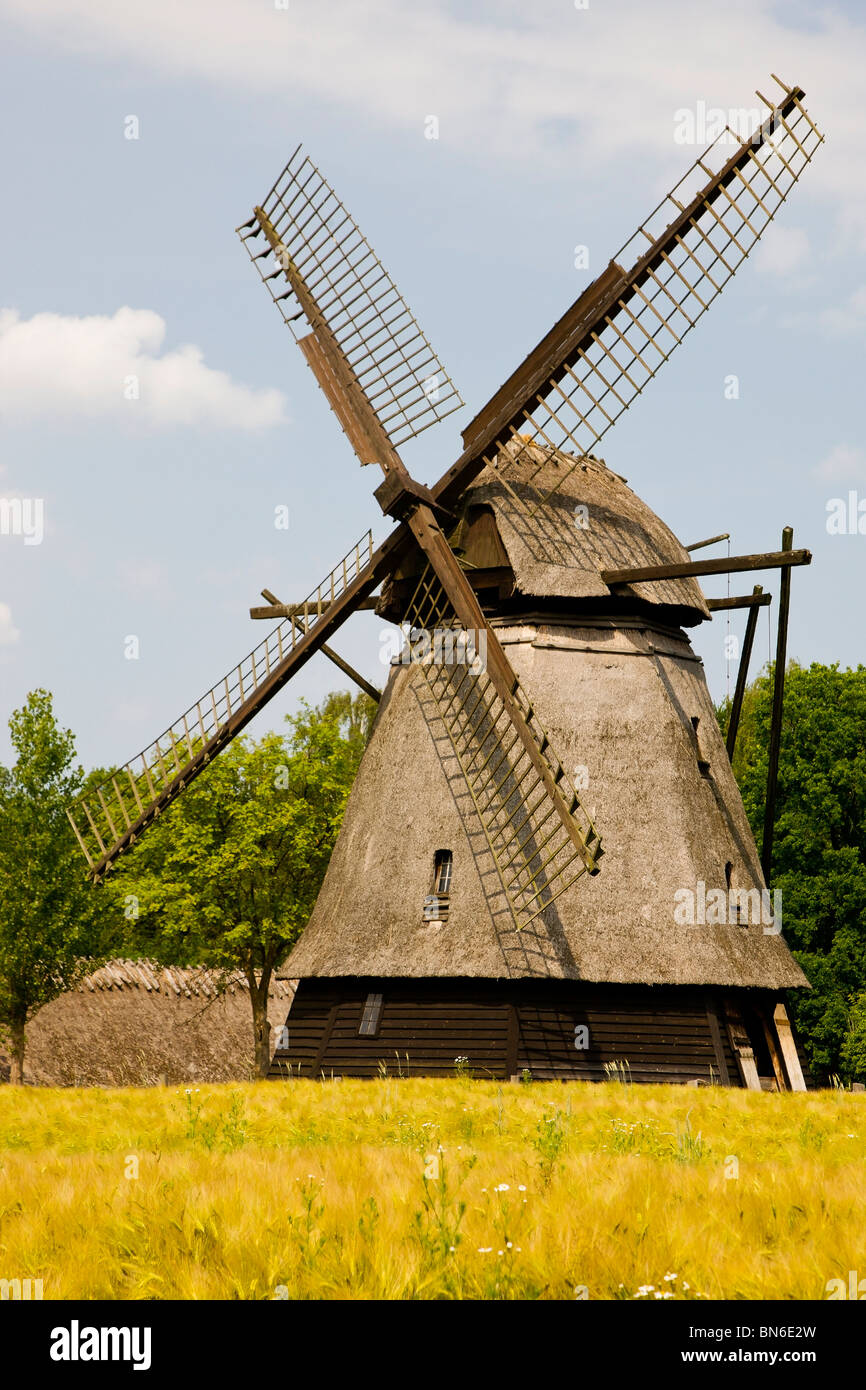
x=703, y=765
x=437, y=901
x=442, y=869
x=370, y=1017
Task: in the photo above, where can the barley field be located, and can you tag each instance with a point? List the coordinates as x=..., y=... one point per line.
x=415, y=1189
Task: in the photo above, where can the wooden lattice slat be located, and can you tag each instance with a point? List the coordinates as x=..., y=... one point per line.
x=139, y=790
x=678, y=260
x=535, y=857
x=394, y=364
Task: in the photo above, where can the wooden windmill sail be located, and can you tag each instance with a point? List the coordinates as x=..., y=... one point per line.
x=529, y=444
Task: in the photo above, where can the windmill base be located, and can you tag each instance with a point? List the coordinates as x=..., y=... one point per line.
x=546, y=1030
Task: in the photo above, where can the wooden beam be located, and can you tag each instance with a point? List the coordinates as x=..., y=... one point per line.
x=699, y=545
x=743, y=672
x=275, y=609
x=778, y=703
x=337, y=397
x=733, y=564
x=756, y=599
x=290, y=611
x=775, y=1055
x=788, y=1048
x=749, y=1067
x=574, y=330
x=741, y=1045
x=716, y=1035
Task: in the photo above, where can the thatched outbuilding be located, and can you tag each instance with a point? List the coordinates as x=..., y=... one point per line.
x=134, y=1023
x=612, y=972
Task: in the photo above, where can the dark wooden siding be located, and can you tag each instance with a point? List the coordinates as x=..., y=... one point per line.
x=663, y=1035
x=425, y=1025
x=503, y=1027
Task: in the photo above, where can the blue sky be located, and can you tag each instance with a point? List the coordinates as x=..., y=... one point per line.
x=556, y=127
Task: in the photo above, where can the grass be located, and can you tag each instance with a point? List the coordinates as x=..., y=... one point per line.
x=399, y=1188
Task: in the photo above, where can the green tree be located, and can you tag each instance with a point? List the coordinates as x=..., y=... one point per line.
x=853, y=1054
x=50, y=925
x=228, y=876
x=819, y=847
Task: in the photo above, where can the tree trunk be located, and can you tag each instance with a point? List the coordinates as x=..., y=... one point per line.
x=261, y=1027
x=19, y=1042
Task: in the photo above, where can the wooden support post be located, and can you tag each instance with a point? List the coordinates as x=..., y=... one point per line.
x=327, y=651
x=775, y=1056
x=716, y=1035
x=742, y=674
x=742, y=1047
x=778, y=702
x=748, y=1067
x=788, y=1048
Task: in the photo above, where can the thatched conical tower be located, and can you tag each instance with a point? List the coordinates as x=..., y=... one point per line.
x=669, y=960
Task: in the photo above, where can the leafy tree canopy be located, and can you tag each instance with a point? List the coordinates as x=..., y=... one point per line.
x=228, y=875
x=50, y=920
x=819, y=848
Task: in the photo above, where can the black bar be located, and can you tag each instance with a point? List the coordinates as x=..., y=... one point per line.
x=743, y=671
x=778, y=702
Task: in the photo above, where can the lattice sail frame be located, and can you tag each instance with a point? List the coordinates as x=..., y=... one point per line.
x=115, y=812
x=535, y=858
x=398, y=371
x=662, y=298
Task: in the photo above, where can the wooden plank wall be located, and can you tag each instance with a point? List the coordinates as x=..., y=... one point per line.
x=504, y=1027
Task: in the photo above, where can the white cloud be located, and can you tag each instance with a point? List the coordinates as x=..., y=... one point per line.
x=136, y=712
x=9, y=634
x=54, y=365
x=548, y=83
x=787, y=250
x=844, y=463
x=146, y=577
x=843, y=320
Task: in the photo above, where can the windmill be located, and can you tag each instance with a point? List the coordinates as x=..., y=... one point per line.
x=496, y=557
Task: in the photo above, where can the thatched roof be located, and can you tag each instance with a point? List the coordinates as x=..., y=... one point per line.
x=619, y=699
x=553, y=556
x=133, y=1023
